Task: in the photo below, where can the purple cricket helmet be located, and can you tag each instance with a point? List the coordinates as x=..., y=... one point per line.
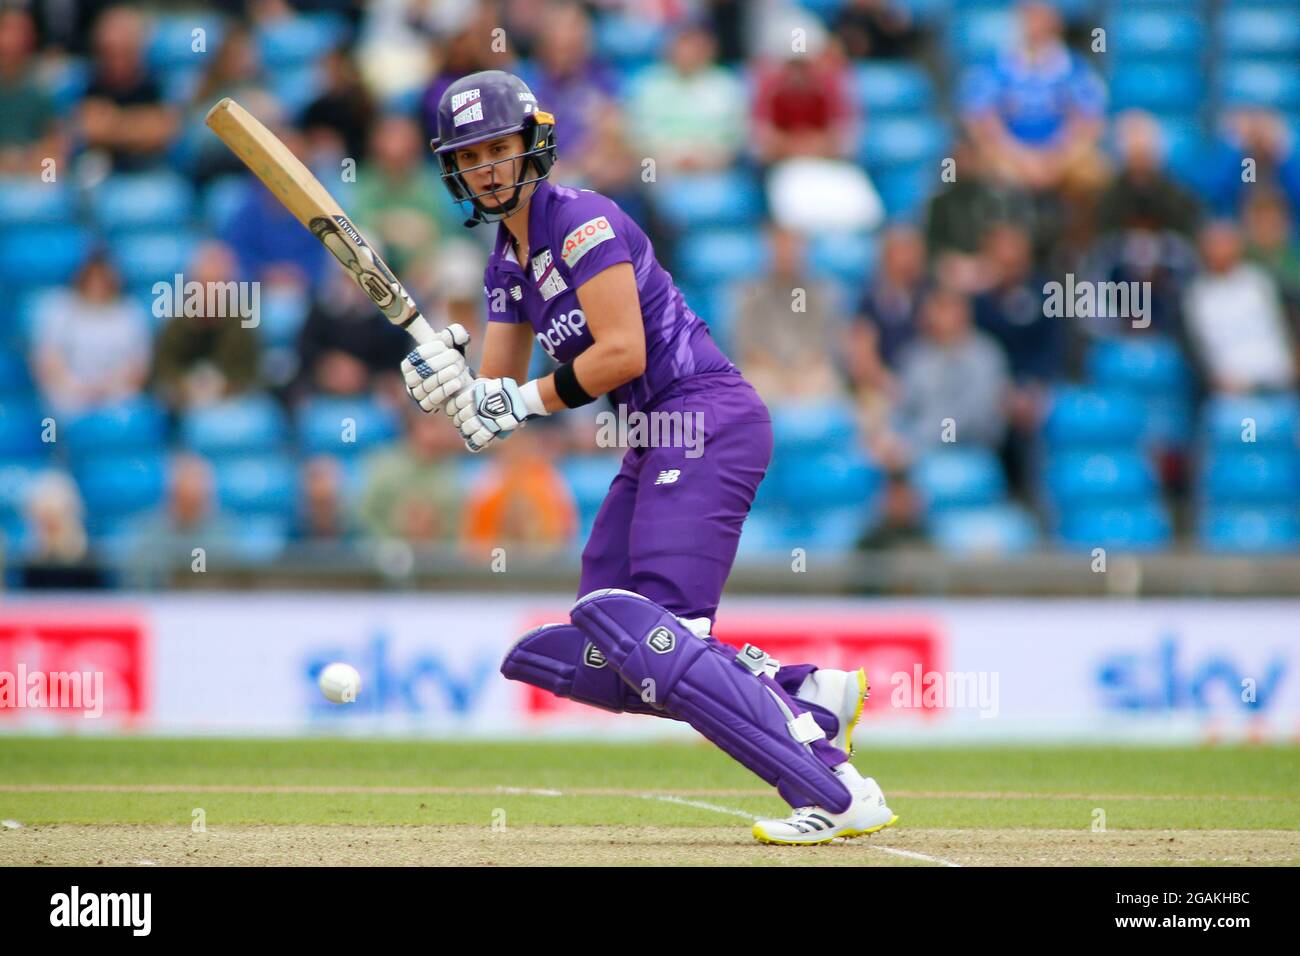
x=481, y=107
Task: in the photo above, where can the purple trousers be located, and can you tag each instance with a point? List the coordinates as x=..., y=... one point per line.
x=670, y=525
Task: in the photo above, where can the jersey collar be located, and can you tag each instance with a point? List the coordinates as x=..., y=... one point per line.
x=538, y=216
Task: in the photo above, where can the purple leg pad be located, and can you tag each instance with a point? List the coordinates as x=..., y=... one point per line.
x=560, y=659
x=826, y=752
x=699, y=682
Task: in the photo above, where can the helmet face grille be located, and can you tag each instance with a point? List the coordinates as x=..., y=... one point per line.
x=539, y=154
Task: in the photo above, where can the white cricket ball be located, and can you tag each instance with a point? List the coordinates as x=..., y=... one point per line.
x=340, y=683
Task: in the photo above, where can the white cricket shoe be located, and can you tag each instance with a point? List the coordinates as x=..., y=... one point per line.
x=843, y=693
x=809, y=826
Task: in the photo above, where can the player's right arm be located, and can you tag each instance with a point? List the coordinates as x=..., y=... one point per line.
x=507, y=350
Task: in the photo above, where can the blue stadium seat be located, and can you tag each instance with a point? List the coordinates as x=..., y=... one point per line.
x=1087, y=417
x=629, y=41
x=1080, y=478
x=959, y=477
x=20, y=429
x=171, y=46
x=987, y=529
x=716, y=305
x=976, y=35
x=905, y=189
x=1169, y=421
x=1155, y=371
x=142, y=201
x=221, y=201
x=1156, y=33
x=1274, y=420
x=15, y=376
x=1135, y=527
x=121, y=484
x=903, y=140
x=248, y=425
x=261, y=538
x=344, y=426
x=588, y=478
x=133, y=426
x=41, y=255
x=764, y=534
x=849, y=258
x=257, y=485
x=295, y=87
x=144, y=258
x=812, y=482
x=926, y=11
x=295, y=41
x=1260, y=32
x=1267, y=476
x=1259, y=530
x=16, y=481
x=1262, y=83
x=836, y=529
x=713, y=256
x=27, y=201
x=706, y=200
x=888, y=87
x=1152, y=362
x=808, y=427
x=282, y=311
x=1157, y=86
x=1186, y=143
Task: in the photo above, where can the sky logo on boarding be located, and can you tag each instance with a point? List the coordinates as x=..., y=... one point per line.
x=398, y=681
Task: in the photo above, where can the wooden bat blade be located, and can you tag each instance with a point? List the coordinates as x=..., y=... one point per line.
x=299, y=191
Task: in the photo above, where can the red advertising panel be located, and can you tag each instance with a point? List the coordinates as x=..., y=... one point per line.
x=45, y=652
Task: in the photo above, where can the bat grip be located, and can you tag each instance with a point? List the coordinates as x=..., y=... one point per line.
x=420, y=330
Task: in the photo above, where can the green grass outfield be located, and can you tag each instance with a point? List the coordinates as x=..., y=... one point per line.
x=50, y=780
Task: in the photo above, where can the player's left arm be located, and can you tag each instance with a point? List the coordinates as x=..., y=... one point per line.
x=617, y=353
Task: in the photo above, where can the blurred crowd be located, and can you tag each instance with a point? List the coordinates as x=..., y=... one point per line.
x=846, y=189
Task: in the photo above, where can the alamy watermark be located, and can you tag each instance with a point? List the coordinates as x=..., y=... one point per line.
x=945, y=690
x=636, y=429
x=1084, y=299
x=53, y=690
x=216, y=300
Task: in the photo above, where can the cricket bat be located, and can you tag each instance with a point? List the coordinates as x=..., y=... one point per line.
x=302, y=194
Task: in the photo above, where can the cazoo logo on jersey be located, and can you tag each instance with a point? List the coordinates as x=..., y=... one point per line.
x=563, y=326
x=585, y=238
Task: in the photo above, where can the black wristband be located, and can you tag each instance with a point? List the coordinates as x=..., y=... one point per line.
x=569, y=389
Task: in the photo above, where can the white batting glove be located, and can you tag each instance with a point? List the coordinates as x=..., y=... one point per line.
x=493, y=408
x=436, y=371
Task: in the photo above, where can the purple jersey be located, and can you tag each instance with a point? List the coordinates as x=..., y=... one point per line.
x=573, y=235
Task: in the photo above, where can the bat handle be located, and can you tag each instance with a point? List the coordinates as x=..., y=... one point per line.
x=421, y=331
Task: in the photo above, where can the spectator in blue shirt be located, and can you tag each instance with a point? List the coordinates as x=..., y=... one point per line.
x=1037, y=112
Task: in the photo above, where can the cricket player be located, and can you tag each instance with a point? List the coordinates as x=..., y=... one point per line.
x=570, y=270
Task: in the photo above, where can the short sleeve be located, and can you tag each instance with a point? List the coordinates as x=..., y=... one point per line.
x=593, y=236
x=497, y=298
